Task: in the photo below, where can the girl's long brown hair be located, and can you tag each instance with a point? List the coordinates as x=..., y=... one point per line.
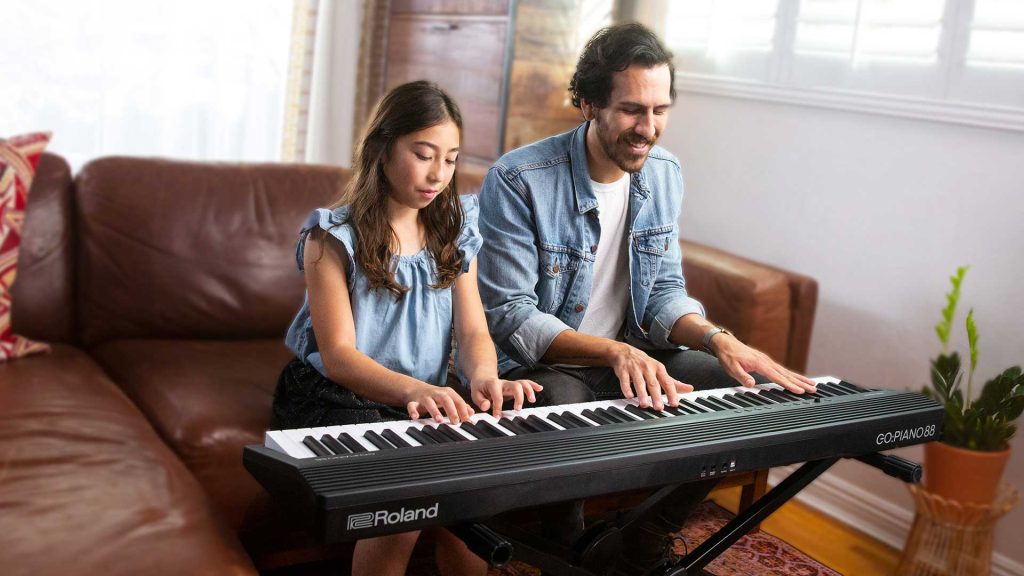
x=405, y=109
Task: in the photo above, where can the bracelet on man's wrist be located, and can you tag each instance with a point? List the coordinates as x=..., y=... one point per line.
x=705, y=343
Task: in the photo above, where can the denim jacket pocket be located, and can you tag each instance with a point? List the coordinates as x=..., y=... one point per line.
x=558, y=263
x=651, y=245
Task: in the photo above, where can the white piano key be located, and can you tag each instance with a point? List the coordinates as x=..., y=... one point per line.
x=280, y=441
x=297, y=435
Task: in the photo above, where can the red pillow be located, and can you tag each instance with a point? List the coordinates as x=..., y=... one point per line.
x=18, y=159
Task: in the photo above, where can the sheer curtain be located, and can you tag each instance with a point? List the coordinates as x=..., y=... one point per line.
x=185, y=79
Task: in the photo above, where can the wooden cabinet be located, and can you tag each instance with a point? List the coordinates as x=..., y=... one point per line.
x=506, y=62
x=462, y=45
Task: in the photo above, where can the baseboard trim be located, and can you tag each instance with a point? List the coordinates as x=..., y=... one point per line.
x=866, y=512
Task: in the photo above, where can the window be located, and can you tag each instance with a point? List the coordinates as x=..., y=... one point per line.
x=955, y=60
x=188, y=79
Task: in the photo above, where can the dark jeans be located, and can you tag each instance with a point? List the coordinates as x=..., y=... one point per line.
x=647, y=542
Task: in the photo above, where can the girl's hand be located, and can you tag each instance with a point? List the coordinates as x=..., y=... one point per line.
x=490, y=393
x=438, y=402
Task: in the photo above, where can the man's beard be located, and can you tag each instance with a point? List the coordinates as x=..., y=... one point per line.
x=619, y=151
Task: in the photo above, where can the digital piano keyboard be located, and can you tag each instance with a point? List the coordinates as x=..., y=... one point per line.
x=359, y=481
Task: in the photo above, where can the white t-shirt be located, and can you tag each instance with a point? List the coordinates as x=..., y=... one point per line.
x=609, y=294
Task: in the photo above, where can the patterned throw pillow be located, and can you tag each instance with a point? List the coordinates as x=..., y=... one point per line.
x=18, y=159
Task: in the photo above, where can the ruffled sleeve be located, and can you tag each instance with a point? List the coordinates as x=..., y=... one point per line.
x=469, y=241
x=332, y=222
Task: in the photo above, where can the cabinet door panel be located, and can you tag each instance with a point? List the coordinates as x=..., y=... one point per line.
x=466, y=57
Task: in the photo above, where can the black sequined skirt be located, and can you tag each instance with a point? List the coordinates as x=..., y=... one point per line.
x=304, y=398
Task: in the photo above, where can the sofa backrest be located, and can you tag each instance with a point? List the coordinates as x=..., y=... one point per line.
x=43, y=294
x=174, y=249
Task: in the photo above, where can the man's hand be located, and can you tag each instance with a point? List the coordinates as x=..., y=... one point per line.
x=638, y=371
x=490, y=393
x=739, y=360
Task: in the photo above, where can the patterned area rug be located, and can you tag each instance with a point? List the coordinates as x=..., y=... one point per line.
x=758, y=554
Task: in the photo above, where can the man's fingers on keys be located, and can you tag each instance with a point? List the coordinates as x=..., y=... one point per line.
x=668, y=384
x=432, y=409
x=413, y=408
x=517, y=398
x=640, y=385
x=530, y=388
x=682, y=387
x=451, y=409
x=494, y=389
x=625, y=383
x=734, y=369
x=651, y=377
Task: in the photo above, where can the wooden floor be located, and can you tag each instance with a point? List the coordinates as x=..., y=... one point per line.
x=835, y=545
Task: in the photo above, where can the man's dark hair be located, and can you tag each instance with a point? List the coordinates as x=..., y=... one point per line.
x=613, y=49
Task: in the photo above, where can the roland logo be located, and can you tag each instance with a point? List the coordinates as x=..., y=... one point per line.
x=896, y=436
x=390, y=517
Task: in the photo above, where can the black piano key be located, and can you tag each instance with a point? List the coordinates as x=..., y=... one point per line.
x=435, y=435
x=791, y=395
x=512, y=427
x=595, y=417
x=317, y=448
x=450, y=433
x=734, y=400
x=847, y=386
x=756, y=399
x=395, y=439
x=727, y=401
x=741, y=399
x=351, y=443
x=522, y=423
x=777, y=396
x=580, y=422
x=332, y=443
x=833, y=389
x=625, y=416
x=641, y=413
x=420, y=437
x=489, y=429
x=471, y=428
x=823, y=392
x=562, y=421
x=708, y=405
x=612, y=416
x=539, y=422
x=693, y=408
x=853, y=387
x=377, y=440
x=725, y=404
x=677, y=410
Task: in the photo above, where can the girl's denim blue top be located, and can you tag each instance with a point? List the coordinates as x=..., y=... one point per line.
x=411, y=335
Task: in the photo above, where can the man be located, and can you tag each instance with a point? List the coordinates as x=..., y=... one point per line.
x=580, y=271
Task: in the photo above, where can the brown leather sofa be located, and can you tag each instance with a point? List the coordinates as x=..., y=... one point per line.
x=165, y=288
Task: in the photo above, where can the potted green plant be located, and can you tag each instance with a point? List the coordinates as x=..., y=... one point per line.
x=967, y=464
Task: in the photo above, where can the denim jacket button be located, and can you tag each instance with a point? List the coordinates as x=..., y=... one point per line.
x=556, y=269
x=593, y=248
x=579, y=307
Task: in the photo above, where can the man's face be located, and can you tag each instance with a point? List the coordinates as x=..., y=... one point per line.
x=627, y=128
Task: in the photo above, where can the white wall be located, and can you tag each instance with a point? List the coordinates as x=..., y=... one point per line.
x=880, y=210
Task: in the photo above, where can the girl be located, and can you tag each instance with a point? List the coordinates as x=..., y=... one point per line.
x=390, y=270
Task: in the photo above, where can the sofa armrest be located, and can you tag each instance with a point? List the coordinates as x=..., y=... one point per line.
x=768, y=308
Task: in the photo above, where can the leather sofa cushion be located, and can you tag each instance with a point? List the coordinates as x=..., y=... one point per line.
x=750, y=299
x=77, y=458
x=43, y=294
x=172, y=249
x=207, y=399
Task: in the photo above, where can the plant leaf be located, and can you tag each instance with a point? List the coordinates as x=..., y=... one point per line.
x=952, y=298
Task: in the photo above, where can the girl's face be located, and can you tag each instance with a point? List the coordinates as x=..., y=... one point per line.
x=421, y=164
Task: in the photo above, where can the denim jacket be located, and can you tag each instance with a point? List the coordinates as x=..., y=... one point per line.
x=538, y=219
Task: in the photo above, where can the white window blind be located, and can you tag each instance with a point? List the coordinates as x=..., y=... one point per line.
x=858, y=29
x=952, y=60
x=997, y=33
